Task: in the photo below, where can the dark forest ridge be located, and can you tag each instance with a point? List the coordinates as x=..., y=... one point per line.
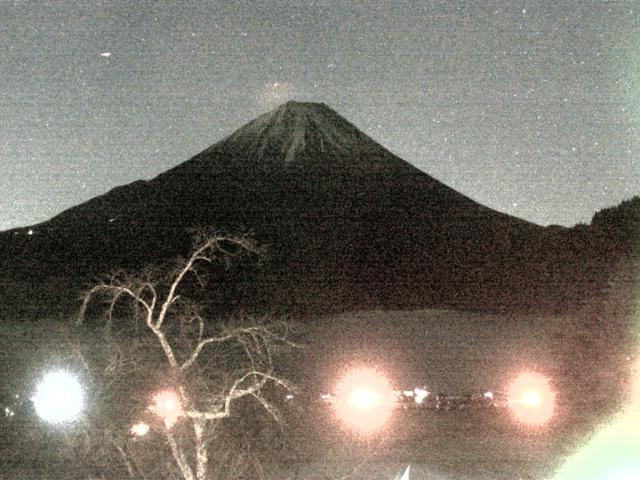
x=346, y=224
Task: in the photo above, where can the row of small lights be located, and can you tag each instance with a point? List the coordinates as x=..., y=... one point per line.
x=419, y=395
x=363, y=400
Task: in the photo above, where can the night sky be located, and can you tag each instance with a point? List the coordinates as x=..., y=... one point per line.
x=531, y=108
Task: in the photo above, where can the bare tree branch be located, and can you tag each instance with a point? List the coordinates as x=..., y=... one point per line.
x=166, y=347
x=115, y=292
x=258, y=334
x=201, y=344
x=159, y=302
x=207, y=252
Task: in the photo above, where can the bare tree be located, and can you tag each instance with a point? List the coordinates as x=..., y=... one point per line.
x=211, y=366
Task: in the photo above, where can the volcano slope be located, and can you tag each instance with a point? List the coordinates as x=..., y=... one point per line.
x=346, y=223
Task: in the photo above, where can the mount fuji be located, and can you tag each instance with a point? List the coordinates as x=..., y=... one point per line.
x=346, y=223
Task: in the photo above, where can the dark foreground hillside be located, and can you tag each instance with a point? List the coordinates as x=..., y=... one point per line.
x=554, y=270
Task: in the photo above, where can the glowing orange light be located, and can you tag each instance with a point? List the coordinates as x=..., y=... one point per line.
x=364, y=400
x=167, y=406
x=531, y=399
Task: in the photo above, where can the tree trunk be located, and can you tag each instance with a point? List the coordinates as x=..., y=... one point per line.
x=202, y=455
x=178, y=454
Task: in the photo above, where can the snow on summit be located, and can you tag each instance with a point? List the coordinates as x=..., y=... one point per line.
x=297, y=127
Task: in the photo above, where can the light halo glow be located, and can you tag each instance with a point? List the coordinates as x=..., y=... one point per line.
x=59, y=397
x=364, y=400
x=531, y=399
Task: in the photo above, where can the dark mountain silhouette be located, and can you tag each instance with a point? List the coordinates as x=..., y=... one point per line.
x=347, y=224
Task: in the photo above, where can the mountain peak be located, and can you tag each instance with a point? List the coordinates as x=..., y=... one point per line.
x=296, y=128
x=296, y=107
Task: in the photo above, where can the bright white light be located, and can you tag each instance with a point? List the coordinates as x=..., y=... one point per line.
x=140, y=429
x=105, y=54
x=59, y=397
x=532, y=399
x=364, y=397
x=420, y=394
x=488, y=395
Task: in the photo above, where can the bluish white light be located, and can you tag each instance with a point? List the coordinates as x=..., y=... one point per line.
x=59, y=397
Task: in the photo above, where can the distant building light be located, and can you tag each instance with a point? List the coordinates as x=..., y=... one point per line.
x=488, y=395
x=408, y=393
x=30, y=232
x=289, y=397
x=421, y=394
x=8, y=412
